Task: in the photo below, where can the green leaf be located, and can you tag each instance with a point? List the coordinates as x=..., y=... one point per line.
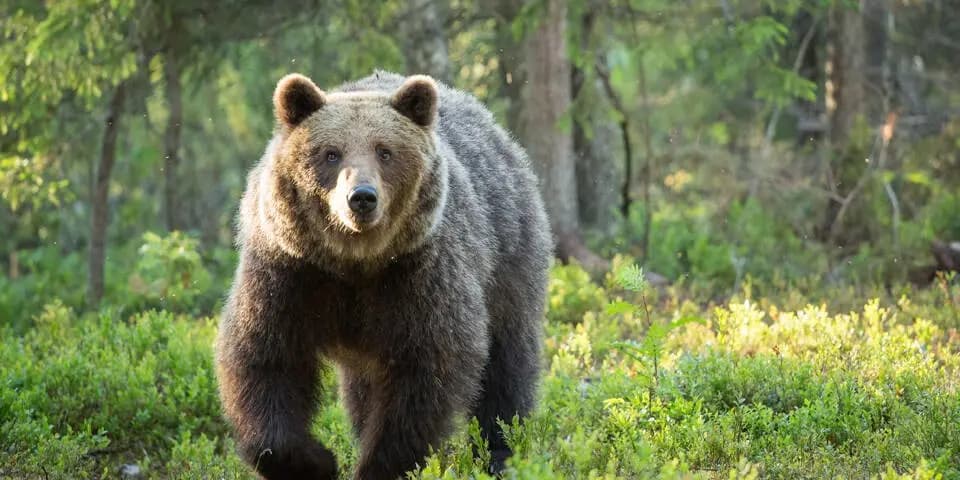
x=630, y=277
x=919, y=178
x=620, y=307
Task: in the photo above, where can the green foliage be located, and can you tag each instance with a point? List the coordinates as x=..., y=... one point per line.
x=172, y=272
x=571, y=294
x=631, y=278
x=169, y=271
x=78, y=390
x=54, y=69
x=722, y=246
x=943, y=221
x=750, y=391
x=47, y=270
x=203, y=457
x=49, y=53
x=23, y=183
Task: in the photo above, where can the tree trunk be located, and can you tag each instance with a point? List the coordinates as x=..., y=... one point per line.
x=425, y=41
x=100, y=213
x=598, y=177
x=596, y=152
x=14, y=266
x=171, y=140
x=860, y=90
x=847, y=75
x=546, y=95
x=510, y=59
x=845, y=104
x=878, y=61
x=648, y=168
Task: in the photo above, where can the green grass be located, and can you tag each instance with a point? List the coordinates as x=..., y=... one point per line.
x=747, y=390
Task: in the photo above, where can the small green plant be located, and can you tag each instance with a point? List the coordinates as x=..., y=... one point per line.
x=630, y=277
x=170, y=272
x=946, y=281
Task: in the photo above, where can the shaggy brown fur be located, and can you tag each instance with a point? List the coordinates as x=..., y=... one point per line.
x=430, y=303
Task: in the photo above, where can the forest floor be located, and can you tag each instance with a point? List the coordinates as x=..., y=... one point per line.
x=754, y=387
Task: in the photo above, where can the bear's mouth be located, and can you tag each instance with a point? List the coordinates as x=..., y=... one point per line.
x=359, y=223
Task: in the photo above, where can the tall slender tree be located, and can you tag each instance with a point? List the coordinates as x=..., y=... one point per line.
x=424, y=39
x=173, y=91
x=546, y=96
x=100, y=213
x=846, y=71
x=191, y=32
x=596, y=139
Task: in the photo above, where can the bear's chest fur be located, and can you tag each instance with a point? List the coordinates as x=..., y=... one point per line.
x=352, y=313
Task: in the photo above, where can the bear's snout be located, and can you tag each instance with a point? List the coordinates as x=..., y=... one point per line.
x=362, y=199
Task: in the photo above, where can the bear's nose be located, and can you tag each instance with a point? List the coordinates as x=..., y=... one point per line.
x=362, y=199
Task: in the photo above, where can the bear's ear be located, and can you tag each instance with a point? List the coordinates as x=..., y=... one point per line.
x=295, y=99
x=416, y=99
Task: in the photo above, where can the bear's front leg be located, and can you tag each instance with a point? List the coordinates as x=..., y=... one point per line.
x=267, y=372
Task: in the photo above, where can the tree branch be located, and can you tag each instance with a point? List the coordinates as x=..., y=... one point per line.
x=883, y=139
x=625, y=133
x=797, y=63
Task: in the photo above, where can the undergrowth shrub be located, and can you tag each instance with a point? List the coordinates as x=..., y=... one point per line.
x=637, y=384
x=169, y=272
x=79, y=390
x=571, y=294
x=43, y=272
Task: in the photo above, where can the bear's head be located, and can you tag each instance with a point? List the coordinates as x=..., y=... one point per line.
x=355, y=175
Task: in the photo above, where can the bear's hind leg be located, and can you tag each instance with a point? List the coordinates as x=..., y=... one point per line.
x=508, y=390
x=355, y=392
x=412, y=411
x=510, y=378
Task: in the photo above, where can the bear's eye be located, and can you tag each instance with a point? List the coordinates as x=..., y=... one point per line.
x=383, y=154
x=332, y=156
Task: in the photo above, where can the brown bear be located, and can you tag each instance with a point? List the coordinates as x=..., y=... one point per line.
x=393, y=229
